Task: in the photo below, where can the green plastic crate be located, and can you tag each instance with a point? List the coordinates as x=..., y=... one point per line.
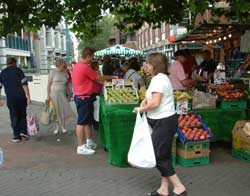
x=192, y=146
x=193, y=162
x=228, y=104
x=240, y=155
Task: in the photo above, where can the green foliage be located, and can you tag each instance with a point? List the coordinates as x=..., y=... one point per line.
x=98, y=42
x=83, y=15
x=31, y=14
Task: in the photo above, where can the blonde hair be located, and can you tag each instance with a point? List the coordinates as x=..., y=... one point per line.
x=159, y=62
x=60, y=62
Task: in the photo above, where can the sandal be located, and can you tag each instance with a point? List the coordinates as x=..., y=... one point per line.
x=155, y=193
x=184, y=193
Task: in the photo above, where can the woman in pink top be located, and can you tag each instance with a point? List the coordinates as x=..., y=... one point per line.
x=97, y=88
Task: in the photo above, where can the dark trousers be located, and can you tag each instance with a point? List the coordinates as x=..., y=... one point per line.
x=162, y=138
x=18, y=118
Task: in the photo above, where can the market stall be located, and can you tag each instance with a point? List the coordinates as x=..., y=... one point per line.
x=119, y=50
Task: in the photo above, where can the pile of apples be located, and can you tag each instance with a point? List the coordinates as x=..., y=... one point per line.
x=195, y=133
x=189, y=120
x=192, y=128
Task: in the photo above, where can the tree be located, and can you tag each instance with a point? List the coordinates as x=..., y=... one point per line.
x=29, y=14
x=83, y=15
x=106, y=25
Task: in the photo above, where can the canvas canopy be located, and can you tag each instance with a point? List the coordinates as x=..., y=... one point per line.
x=118, y=50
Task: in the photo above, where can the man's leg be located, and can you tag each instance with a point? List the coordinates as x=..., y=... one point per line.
x=88, y=131
x=22, y=118
x=80, y=134
x=14, y=121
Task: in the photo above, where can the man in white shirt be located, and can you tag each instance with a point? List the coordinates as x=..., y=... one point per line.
x=132, y=74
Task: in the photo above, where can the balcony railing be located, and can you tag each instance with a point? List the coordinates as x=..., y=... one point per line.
x=18, y=43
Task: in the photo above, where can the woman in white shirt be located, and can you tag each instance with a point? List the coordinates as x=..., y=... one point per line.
x=162, y=117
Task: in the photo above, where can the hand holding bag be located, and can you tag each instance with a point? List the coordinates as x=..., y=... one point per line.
x=141, y=152
x=45, y=114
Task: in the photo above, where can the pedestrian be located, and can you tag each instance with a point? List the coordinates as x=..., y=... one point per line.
x=107, y=67
x=177, y=75
x=69, y=81
x=59, y=94
x=17, y=93
x=83, y=78
x=131, y=74
x=162, y=117
x=97, y=89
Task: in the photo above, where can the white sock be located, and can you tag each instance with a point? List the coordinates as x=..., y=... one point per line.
x=88, y=140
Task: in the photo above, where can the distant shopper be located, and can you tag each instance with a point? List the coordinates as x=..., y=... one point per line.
x=208, y=65
x=107, y=67
x=162, y=117
x=177, y=74
x=133, y=63
x=83, y=78
x=189, y=64
x=17, y=92
x=133, y=75
x=58, y=92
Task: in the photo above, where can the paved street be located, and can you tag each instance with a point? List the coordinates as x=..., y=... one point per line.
x=44, y=166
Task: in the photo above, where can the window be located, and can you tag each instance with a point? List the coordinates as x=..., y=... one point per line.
x=48, y=39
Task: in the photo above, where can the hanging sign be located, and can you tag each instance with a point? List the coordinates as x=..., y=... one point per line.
x=219, y=77
x=182, y=107
x=118, y=83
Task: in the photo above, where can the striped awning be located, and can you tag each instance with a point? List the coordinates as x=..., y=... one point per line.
x=119, y=50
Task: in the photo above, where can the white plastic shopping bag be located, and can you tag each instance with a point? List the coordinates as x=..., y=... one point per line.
x=141, y=152
x=96, y=108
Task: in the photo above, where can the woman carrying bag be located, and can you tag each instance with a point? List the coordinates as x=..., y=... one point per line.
x=58, y=92
x=162, y=117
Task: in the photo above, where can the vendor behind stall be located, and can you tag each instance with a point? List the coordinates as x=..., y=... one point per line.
x=208, y=65
x=177, y=75
x=133, y=75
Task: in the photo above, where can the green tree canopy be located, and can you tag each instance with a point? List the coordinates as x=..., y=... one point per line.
x=106, y=25
x=83, y=15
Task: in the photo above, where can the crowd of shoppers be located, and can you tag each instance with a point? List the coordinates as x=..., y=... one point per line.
x=87, y=84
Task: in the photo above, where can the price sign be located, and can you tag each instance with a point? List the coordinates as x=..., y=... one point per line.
x=118, y=83
x=182, y=107
x=219, y=77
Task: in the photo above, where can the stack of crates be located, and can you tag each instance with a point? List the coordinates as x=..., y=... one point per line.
x=241, y=142
x=193, y=153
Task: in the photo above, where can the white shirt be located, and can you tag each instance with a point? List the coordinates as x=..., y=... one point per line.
x=134, y=75
x=161, y=84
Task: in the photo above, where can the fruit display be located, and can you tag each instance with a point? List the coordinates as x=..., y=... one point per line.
x=222, y=87
x=230, y=94
x=189, y=120
x=142, y=93
x=119, y=96
x=191, y=128
x=195, y=134
x=179, y=95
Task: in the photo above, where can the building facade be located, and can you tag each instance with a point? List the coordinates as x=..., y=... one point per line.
x=150, y=39
x=18, y=46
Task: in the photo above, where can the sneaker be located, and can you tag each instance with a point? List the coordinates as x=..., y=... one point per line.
x=56, y=132
x=91, y=144
x=85, y=150
x=16, y=139
x=25, y=136
x=64, y=130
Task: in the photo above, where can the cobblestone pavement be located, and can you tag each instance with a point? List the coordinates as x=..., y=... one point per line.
x=45, y=167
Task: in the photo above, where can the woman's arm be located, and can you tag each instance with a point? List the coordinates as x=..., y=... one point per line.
x=150, y=105
x=49, y=89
